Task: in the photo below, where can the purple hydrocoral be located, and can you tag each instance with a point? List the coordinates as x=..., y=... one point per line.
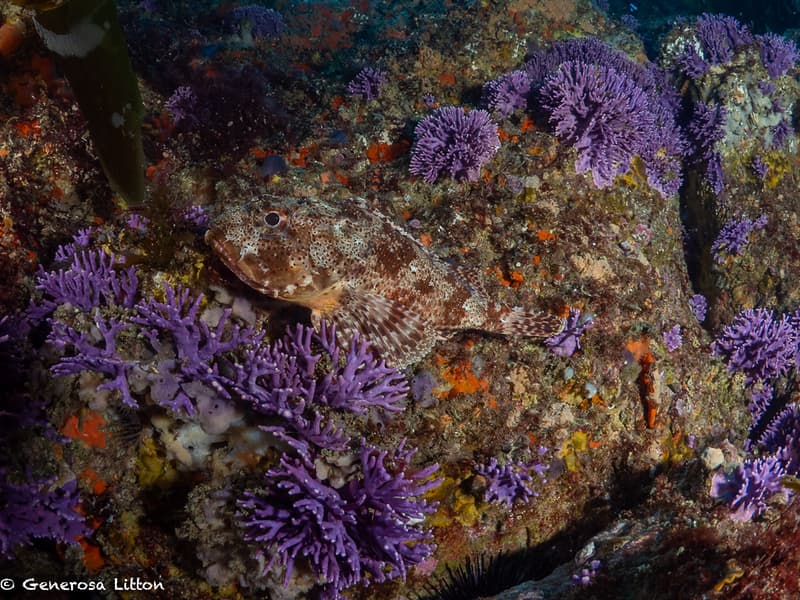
x=781, y=133
x=96, y=351
x=283, y=380
x=781, y=436
x=672, y=338
x=508, y=93
x=569, y=340
x=748, y=488
x=508, y=483
x=600, y=112
x=691, y=62
x=173, y=328
x=367, y=83
x=759, y=167
x=89, y=279
x=733, y=237
x=761, y=396
x=706, y=128
x=714, y=175
x=720, y=36
x=778, y=54
x=758, y=345
x=453, y=142
x=182, y=106
x=662, y=145
x=365, y=531
x=33, y=510
x=698, y=305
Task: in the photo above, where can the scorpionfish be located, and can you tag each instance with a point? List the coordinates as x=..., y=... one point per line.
x=355, y=267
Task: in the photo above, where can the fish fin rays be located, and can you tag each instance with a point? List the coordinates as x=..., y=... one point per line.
x=512, y=321
x=400, y=335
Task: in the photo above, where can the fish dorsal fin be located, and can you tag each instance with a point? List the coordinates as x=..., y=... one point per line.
x=518, y=321
x=401, y=335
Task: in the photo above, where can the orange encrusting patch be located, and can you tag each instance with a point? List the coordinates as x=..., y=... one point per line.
x=300, y=159
x=383, y=153
x=92, y=557
x=640, y=351
x=461, y=380
x=447, y=78
x=28, y=128
x=94, y=480
x=88, y=430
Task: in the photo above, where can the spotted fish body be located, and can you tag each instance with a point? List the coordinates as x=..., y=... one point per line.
x=352, y=265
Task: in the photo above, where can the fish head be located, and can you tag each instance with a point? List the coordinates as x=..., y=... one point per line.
x=288, y=248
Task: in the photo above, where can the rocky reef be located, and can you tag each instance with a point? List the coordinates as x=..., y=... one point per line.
x=167, y=429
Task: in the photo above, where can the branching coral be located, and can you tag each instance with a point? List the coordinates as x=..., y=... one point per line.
x=362, y=532
x=453, y=142
x=33, y=510
x=733, y=237
x=600, y=112
x=757, y=344
x=89, y=279
x=367, y=83
x=611, y=109
x=508, y=93
x=508, y=483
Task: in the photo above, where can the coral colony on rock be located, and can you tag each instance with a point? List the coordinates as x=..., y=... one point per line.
x=255, y=352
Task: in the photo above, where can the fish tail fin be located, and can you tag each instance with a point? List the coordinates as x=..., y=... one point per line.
x=513, y=321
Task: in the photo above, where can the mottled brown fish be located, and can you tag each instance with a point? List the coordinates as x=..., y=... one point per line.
x=354, y=266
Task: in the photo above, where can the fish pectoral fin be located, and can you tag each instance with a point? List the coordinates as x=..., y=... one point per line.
x=324, y=303
x=400, y=334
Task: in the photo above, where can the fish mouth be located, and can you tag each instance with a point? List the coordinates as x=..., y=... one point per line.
x=246, y=267
x=222, y=247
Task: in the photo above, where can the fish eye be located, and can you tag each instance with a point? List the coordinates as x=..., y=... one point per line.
x=272, y=218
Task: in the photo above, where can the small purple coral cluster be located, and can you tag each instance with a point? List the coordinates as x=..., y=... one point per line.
x=453, y=142
x=569, y=340
x=734, y=236
x=764, y=348
x=699, y=307
x=720, y=37
x=706, y=128
x=758, y=345
x=506, y=484
x=367, y=83
x=719, y=40
x=673, y=339
x=508, y=93
x=182, y=106
x=778, y=54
